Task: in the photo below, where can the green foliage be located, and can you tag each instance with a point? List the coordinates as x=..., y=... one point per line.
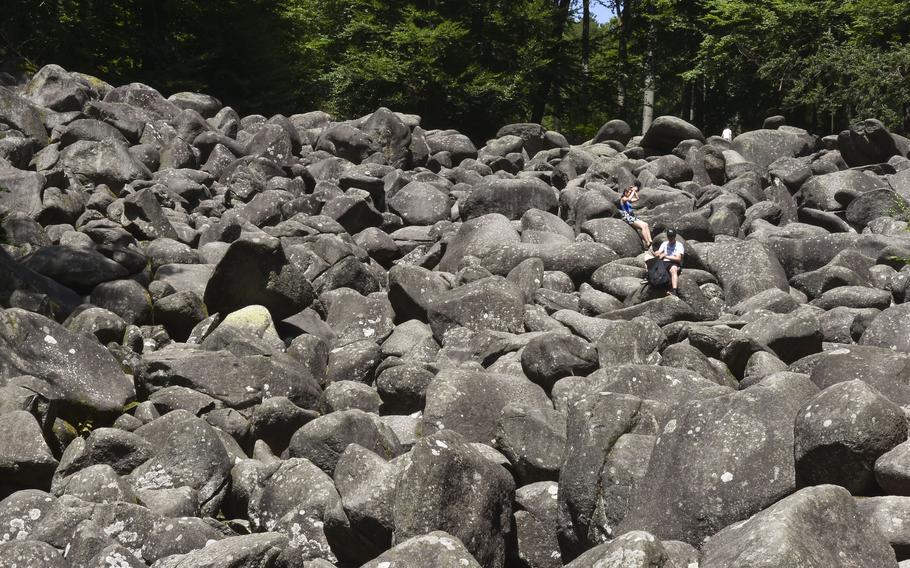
x=824, y=62
x=455, y=63
x=477, y=64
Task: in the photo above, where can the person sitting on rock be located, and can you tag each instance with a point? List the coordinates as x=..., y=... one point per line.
x=630, y=196
x=671, y=252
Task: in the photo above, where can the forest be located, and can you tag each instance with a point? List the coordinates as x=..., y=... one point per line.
x=476, y=64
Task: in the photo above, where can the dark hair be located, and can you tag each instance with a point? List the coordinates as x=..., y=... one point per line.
x=637, y=184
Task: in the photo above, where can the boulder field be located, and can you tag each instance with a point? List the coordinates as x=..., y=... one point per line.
x=302, y=342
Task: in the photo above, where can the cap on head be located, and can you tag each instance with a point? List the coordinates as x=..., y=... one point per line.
x=671, y=233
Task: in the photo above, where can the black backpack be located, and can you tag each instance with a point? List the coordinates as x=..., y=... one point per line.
x=658, y=275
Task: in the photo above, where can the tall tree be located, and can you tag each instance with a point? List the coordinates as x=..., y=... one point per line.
x=560, y=12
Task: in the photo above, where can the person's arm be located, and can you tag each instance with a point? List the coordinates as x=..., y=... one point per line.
x=678, y=254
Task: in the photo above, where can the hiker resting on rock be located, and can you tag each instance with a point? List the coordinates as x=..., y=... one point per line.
x=671, y=252
x=630, y=196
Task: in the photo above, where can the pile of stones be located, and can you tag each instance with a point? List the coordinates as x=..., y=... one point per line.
x=246, y=342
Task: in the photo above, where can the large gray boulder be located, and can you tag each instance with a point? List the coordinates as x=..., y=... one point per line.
x=533, y=440
x=866, y=142
x=839, y=434
x=629, y=342
x=392, y=136
x=887, y=514
x=26, y=460
x=108, y=162
x=455, y=143
x=552, y=356
x=18, y=281
x=470, y=402
x=30, y=553
x=831, y=192
x=652, y=382
x=323, y=440
x=874, y=204
x=720, y=460
x=256, y=271
x=437, y=548
x=595, y=425
x=884, y=369
x=475, y=238
x=816, y=527
x=367, y=483
x=145, y=98
x=890, y=329
x=578, y=260
x=79, y=269
x=81, y=374
x=450, y=486
x=411, y=289
x=292, y=484
x=637, y=549
x=791, y=336
x=667, y=132
x=492, y=303
x=22, y=189
x=239, y=382
x=21, y=114
x=743, y=268
x=615, y=129
x=508, y=197
x=535, y=525
x=247, y=551
x=296, y=491
x=762, y=147
x=192, y=456
x=420, y=203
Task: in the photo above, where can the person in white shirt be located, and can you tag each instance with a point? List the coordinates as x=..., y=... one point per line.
x=727, y=134
x=671, y=251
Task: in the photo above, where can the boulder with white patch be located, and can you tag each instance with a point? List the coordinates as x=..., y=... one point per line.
x=636, y=549
x=841, y=432
x=323, y=440
x=720, y=460
x=470, y=402
x=192, y=455
x=437, y=548
x=817, y=526
x=299, y=500
x=450, y=486
x=82, y=374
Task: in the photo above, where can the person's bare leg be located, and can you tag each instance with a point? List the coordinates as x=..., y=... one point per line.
x=674, y=278
x=644, y=230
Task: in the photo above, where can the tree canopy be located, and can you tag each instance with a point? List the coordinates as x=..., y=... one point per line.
x=477, y=64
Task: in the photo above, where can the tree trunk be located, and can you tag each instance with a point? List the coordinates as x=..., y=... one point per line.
x=692, y=102
x=621, y=9
x=549, y=76
x=647, y=112
x=585, y=34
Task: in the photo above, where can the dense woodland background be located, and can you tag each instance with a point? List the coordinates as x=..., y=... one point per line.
x=477, y=64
